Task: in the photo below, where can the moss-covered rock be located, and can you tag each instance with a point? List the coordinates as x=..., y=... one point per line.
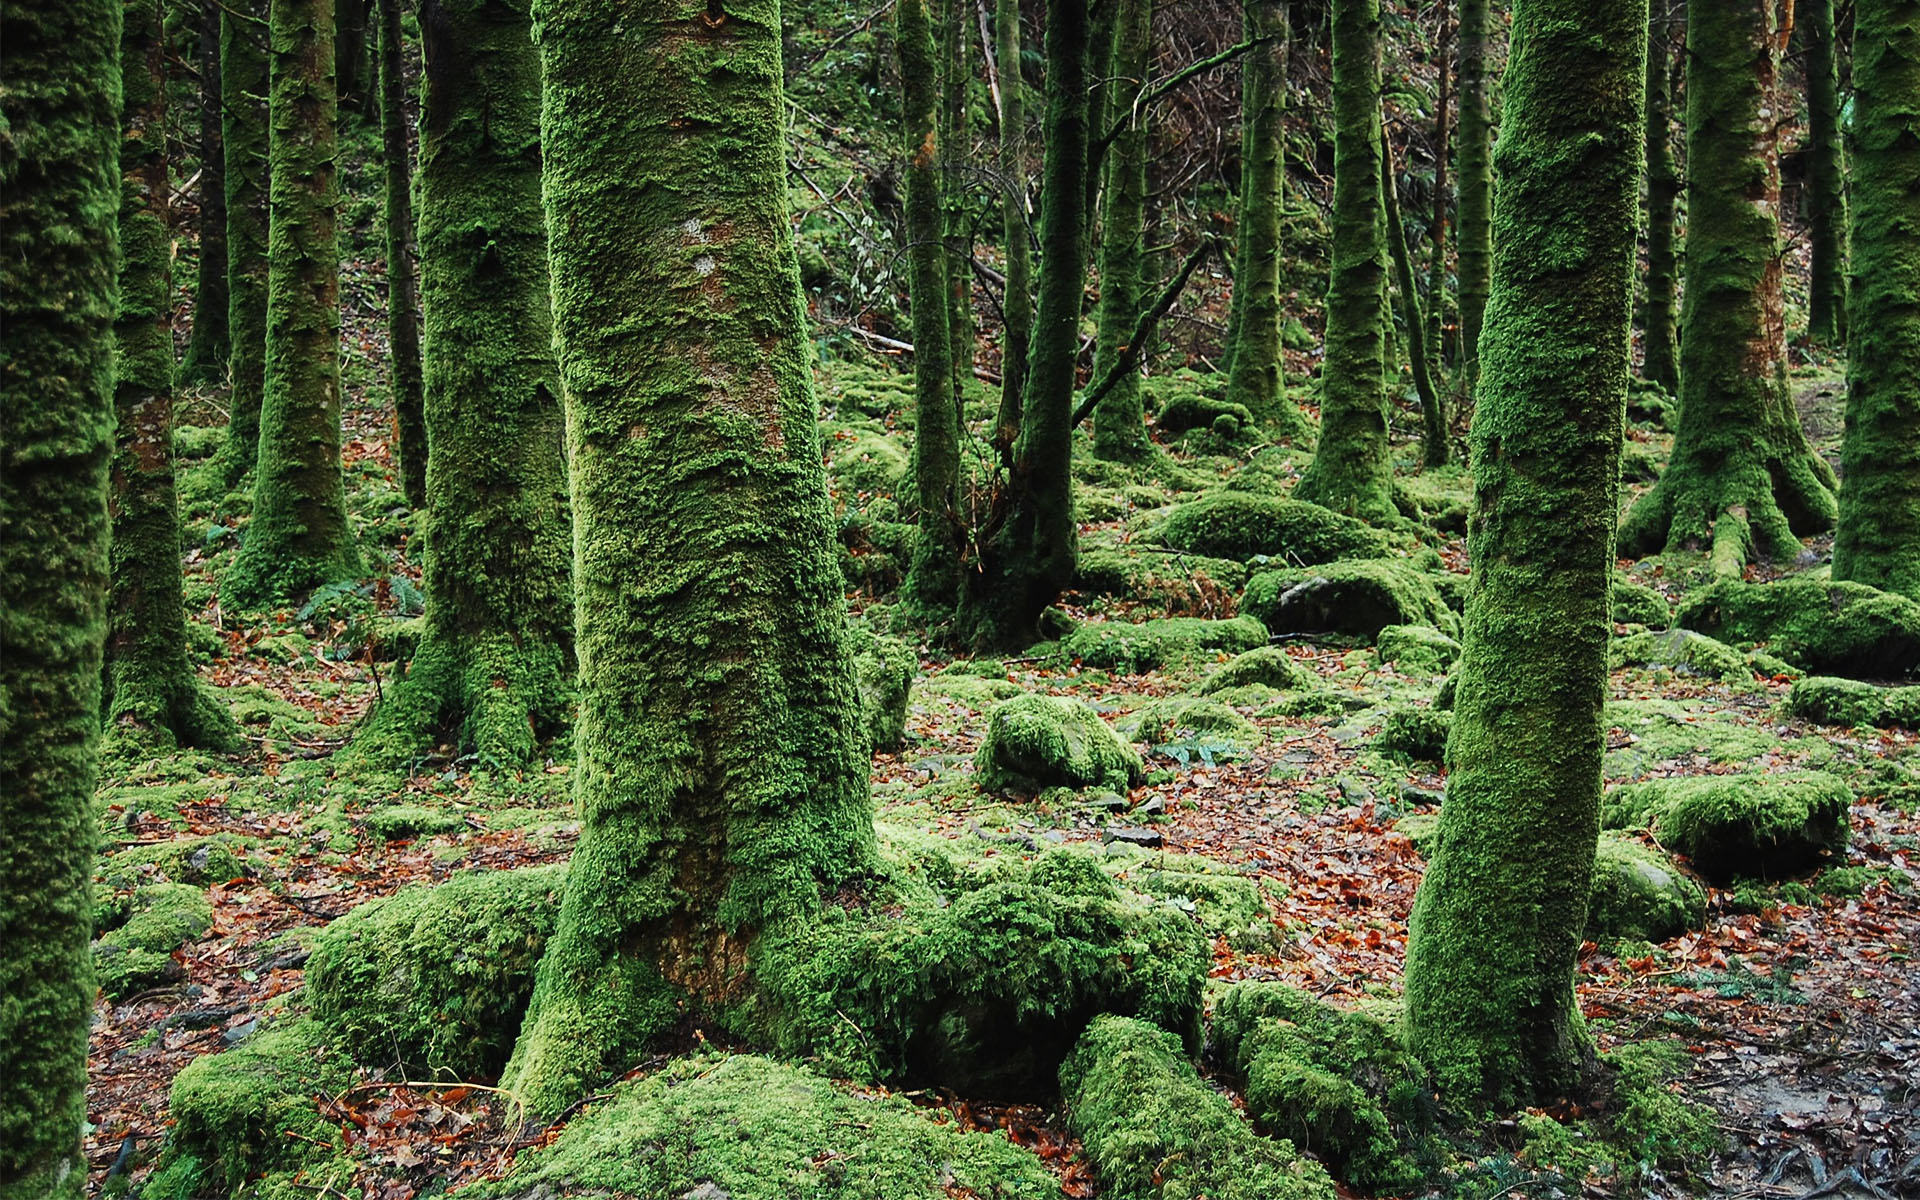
x=1226, y=902
x=1839, y=628
x=399, y=822
x=1179, y=583
x=867, y=462
x=1357, y=596
x=1832, y=701
x=151, y=924
x=1637, y=604
x=1414, y=732
x=1682, y=651
x=437, y=978
x=883, y=668
x=1167, y=641
x=201, y=861
x=972, y=691
x=1269, y=666
x=1185, y=410
x=1154, y=1131
x=1661, y=731
x=749, y=1128
x=1639, y=893
x=1420, y=648
x=1751, y=825
x=1037, y=742
x=1193, y=718
x=1243, y=525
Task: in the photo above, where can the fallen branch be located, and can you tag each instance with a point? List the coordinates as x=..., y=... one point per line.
x=1142, y=330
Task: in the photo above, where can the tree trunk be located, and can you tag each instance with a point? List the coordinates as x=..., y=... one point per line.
x=1661, y=339
x=151, y=690
x=403, y=304
x=58, y=172
x=1826, y=173
x=1255, y=375
x=722, y=776
x=1742, y=479
x=1880, y=506
x=1119, y=423
x=1498, y=920
x=1016, y=301
x=298, y=537
x=1351, y=472
x=243, y=136
x=1437, y=227
x=956, y=138
x=1433, y=420
x=1476, y=182
x=350, y=53
x=207, y=344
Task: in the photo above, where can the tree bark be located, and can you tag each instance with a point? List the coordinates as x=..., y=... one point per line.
x=1433, y=420
x=243, y=136
x=403, y=302
x=1826, y=176
x=956, y=139
x=1437, y=341
x=1119, y=422
x=1016, y=303
x=1476, y=181
x=1661, y=336
x=207, y=344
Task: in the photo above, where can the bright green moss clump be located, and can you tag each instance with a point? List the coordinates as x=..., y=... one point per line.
x=161, y=918
x=1848, y=702
x=1177, y=718
x=1168, y=641
x=883, y=667
x=1639, y=893
x=1360, y=596
x=1241, y=525
x=1154, y=1131
x=1178, y=583
x=1036, y=742
x=1420, y=648
x=1683, y=651
x=1636, y=604
x=1842, y=628
x=1412, y=732
x=1756, y=826
x=1268, y=665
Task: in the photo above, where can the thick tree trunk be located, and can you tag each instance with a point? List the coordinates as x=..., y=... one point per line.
x=58, y=172
x=1119, y=423
x=243, y=136
x=1880, y=506
x=1826, y=174
x=299, y=537
x=403, y=296
x=1742, y=479
x=1476, y=180
x=151, y=690
x=1016, y=303
x=1351, y=472
x=207, y=344
x=1498, y=920
x=1433, y=420
x=722, y=781
x=1661, y=337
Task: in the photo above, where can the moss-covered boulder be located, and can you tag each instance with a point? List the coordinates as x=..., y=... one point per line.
x=1038, y=742
x=1193, y=719
x=400, y=822
x=1411, y=731
x=1182, y=584
x=867, y=462
x=1356, y=596
x=201, y=861
x=1681, y=651
x=1637, y=604
x=1639, y=893
x=1837, y=628
x=1154, y=1131
x=1417, y=648
x=1269, y=666
x=1762, y=825
x=1226, y=902
x=437, y=978
x=1243, y=525
x=1188, y=409
x=1169, y=641
x=147, y=927
x=1832, y=701
x=883, y=667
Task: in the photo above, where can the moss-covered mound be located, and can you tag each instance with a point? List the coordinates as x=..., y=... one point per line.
x=1154, y=1131
x=1168, y=641
x=438, y=978
x=1193, y=719
x=867, y=462
x=1038, y=742
x=884, y=668
x=201, y=861
x=1420, y=648
x=1413, y=732
x=1832, y=701
x=1682, y=651
x=1241, y=525
x=1179, y=583
x=1761, y=826
x=1334, y=1082
x=1838, y=628
x=1639, y=893
x=146, y=927
x=1357, y=596
x=980, y=981
x=748, y=1128
x=1269, y=666
x=1637, y=604
x=1188, y=409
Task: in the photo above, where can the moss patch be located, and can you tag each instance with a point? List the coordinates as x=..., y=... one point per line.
x=1639, y=893
x=1193, y=718
x=1636, y=604
x=1037, y=742
x=1360, y=596
x=1243, y=525
x=1179, y=583
x=1269, y=666
x=1838, y=628
x=1418, y=648
x=1413, y=732
x=1168, y=641
x=1759, y=825
x=1682, y=651
x=883, y=668
x=1832, y=701
x=158, y=919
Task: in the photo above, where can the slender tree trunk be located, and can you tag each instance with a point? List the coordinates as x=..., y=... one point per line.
x=1255, y=375
x=1017, y=301
x=1498, y=920
x=1437, y=227
x=1662, y=338
x=151, y=690
x=956, y=138
x=1476, y=181
x=58, y=172
x=207, y=344
x=299, y=537
x=403, y=304
x=723, y=789
x=350, y=53
x=1351, y=472
x=1880, y=506
x=243, y=135
x=1433, y=420
x=1742, y=480
x=1826, y=174
x=1119, y=423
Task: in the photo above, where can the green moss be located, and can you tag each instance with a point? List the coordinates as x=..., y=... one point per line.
x=395, y=822
x=1651, y=1119
x=1682, y=651
x=1841, y=628
x=1170, y=641
x=1154, y=1131
x=1036, y=742
x=1666, y=731
x=160, y=919
x=1762, y=825
x=1636, y=604
x=1639, y=893
x=243, y=137
x=1226, y=902
x=1179, y=583
x=1183, y=400
x=1412, y=732
x=436, y=978
x=1244, y=525
x=1416, y=648
x=1269, y=666
x=200, y=861
x=980, y=695
x=1833, y=701
x=868, y=462
x=1191, y=718
x=884, y=668
x=1361, y=596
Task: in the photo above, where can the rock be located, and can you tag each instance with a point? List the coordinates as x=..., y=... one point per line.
x=1269, y=666
x=1242, y=525
x=1036, y=742
x=1763, y=825
x=1417, y=733
x=883, y=668
x=1132, y=836
x=1194, y=719
x=1845, y=629
x=1636, y=604
x=1168, y=641
x=1832, y=701
x=1358, y=596
x=1176, y=582
x=1420, y=648
x=1683, y=651
x=1638, y=892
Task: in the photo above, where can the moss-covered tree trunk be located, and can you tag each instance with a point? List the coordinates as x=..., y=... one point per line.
x=1351, y=472
x=1255, y=369
x=1498, y=920
x=1016, y=303
x=1476, y=180
x=1826, y=173
x=59, y=189
x=1437, y=226
x=1879, y=535
x=1119, y=423
x=933, y=582
x=299, y=536
x=243, y=136
x=722, y=777
x=1433, y=420
x=350, y=53
x=1661, y=337
x=956, y=140
x=151, y=690
x=207, y=346
x=1028, y=558
x=403, y=292
x=1742, y=479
